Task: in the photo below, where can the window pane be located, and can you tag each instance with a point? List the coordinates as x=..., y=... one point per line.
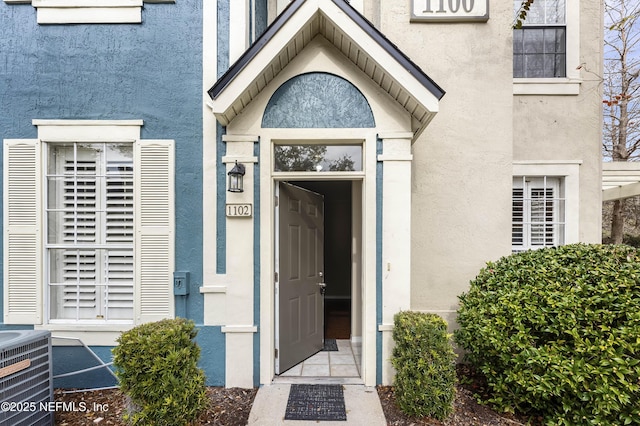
x=518, y=35
x=561, y=66
x=88, y=284
x=518, y=66
x=543, y=12
x=554, y=11
x=72, y=277
x=536, y=13
x=534, y=66
x=318, y=158
x=554, y=40
x=533, y=40
x=561, y=41
x=543, y=53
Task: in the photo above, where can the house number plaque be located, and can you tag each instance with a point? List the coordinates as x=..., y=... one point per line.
x=449, y=10
x=239, y=210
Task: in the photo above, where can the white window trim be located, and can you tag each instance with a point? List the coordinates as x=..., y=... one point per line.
x=154, y=227
x=88, y=11
x=569, y=170
x=569, y=85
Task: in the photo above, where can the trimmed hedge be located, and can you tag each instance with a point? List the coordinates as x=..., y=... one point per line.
x=156, y=364
x=556, y=332
x=425, y=365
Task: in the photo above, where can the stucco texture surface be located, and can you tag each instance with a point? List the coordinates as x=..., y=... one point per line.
x=150, y=71
x=317, y=100
x=461, y=170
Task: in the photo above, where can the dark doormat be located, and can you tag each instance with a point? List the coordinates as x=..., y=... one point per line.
x=316, y=402
x=330, y=345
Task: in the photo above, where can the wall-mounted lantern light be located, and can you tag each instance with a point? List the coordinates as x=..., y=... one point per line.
x=236, y=175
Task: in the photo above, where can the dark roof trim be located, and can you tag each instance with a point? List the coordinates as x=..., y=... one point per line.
x=391, y=48
x=254, y=49
x=368, y=28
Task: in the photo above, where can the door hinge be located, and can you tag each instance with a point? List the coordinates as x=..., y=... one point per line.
x=276, y=352
x=275, y=276
x=277, y=200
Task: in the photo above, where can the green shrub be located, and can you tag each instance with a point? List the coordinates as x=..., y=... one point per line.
x=557, y=332
x=156, y=364
x=425, y=365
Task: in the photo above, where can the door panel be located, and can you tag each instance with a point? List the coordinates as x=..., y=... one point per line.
x=300, y=316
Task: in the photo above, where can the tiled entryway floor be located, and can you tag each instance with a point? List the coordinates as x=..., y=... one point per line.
x=345, y=362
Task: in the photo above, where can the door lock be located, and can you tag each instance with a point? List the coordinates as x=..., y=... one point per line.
x=322, y=285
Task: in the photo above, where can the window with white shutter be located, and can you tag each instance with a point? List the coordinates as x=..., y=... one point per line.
x=538, y=210
x=88, y=226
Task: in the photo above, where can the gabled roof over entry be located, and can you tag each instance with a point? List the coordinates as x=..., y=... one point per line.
x=350, y=33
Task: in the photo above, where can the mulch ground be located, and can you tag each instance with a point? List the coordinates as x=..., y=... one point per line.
x=228, y=407
x=231, y=407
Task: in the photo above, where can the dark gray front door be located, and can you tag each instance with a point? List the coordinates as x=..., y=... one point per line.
x=300, y=266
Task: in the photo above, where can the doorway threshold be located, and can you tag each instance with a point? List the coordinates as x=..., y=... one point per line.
x=341, y=366
x=310, y=380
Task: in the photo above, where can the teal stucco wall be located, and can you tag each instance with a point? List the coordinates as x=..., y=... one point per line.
x=317, y=100
x=150, y=71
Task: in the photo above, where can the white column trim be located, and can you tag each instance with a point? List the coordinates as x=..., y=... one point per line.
x=240, y=138
x=240, y=159
x=385, y=327
x=239, y=329
x=214, y=298
x=239, y=279
x=396, y=237
x=238, y=28
x=396, y=157
x=206, y=289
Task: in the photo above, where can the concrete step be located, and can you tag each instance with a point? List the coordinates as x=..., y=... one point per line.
x=361, y=402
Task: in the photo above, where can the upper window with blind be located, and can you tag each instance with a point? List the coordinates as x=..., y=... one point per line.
x=538, y=213
x=90, y=231
x=540, y=46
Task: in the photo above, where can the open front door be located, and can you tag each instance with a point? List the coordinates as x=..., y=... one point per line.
x=300, y=248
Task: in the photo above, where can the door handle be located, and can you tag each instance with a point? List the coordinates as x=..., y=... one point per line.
x=322, y=285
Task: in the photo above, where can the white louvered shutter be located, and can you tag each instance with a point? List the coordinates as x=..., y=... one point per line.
x=22, y=232
x=517, y=219
x=154, y=227
x=79, y=274
x=119, y=268
x=98, y=205
x=542, y=217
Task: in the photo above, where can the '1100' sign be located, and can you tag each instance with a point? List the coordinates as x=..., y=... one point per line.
x=449, y=10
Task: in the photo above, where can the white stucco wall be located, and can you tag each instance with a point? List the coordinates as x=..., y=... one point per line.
x=461, y=189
